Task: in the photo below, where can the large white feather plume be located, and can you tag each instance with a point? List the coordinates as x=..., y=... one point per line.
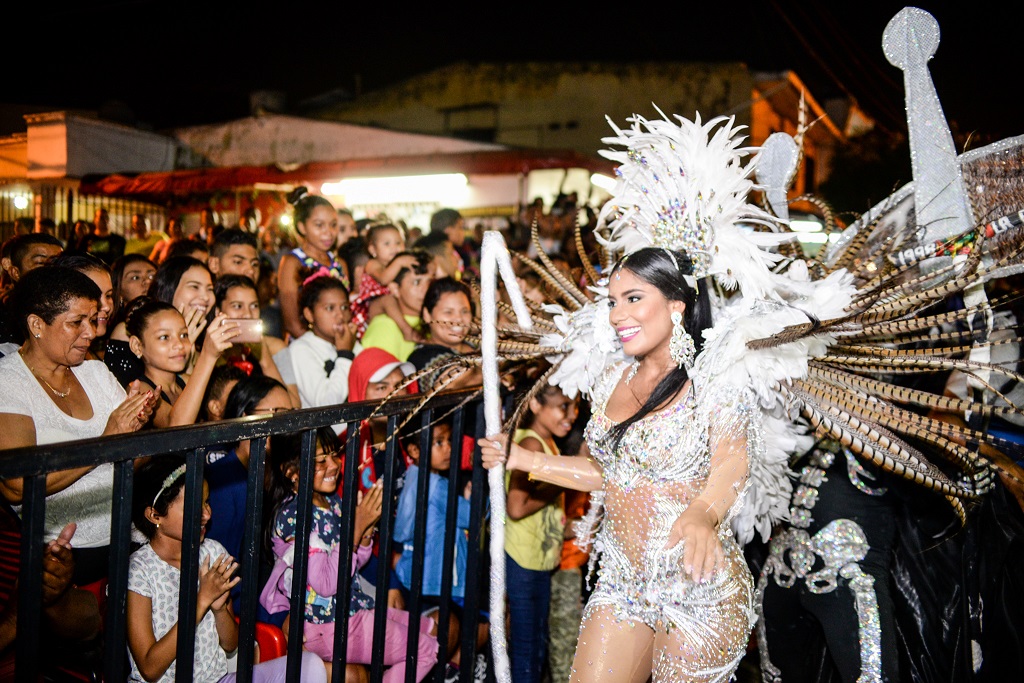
x=586, y=342
x=684, y=186
x=727, y=360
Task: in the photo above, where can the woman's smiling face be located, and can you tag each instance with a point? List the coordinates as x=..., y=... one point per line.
x=450, y=319
x=321, y=228
x=194, y=292
x=640, y=314
x=164, y=343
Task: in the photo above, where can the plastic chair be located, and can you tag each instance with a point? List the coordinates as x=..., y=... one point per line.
x=270, y=640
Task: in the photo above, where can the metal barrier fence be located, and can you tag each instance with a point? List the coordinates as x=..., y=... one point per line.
x=33, y=464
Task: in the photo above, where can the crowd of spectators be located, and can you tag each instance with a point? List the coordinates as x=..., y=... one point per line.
x=105, y=335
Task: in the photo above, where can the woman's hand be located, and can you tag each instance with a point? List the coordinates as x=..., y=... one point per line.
x=697, y=528
x=195, y=320
x=492, y=449
x=218, y=336
x=345, y=336
x=368, y=509
x=58, y=566
x=215, y=582
x=134, y=412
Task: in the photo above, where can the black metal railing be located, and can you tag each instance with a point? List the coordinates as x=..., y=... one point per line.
x=33, y=464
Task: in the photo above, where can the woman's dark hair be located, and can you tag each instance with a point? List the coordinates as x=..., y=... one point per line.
x=354, y=253
x=310, y=293
x=169, y=275
x=149, y=490
x=440, y=287
x=83, y=263
x=664, y=270
x=219, y=378
x=140, y=311
x=542, y=397
x=283, y=458
x=47, y=291
x=304, y=204
x=247, y=393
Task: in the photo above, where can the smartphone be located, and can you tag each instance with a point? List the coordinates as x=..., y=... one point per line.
x=250, y=331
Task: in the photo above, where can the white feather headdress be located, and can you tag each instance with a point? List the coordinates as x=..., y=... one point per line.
x=683, y=186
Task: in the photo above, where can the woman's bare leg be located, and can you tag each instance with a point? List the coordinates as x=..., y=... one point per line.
x=680, y=656
x=612, y=650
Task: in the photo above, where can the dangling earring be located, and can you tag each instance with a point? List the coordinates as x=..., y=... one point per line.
x=680, y=346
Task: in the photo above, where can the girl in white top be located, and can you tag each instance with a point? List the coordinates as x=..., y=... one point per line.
x=158, y=511
x=321, y=357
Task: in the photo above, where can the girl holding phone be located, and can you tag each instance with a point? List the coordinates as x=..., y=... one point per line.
x=236, y=298
x=159, y=336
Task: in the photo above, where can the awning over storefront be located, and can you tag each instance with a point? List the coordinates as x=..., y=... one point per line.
x=177, y=184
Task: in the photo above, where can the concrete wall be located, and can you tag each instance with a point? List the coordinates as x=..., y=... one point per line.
x=61, y=144
x=550, y=105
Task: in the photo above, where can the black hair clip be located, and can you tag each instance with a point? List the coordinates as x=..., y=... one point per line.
x=296, y=195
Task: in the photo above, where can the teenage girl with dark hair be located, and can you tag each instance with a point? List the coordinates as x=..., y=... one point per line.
x=236, y=297
x=158, y=335
x=316, y=225
x=131, y=276
x=325, y=553
x=321, y=357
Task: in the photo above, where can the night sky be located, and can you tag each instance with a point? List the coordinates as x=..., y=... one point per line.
x=168, y=64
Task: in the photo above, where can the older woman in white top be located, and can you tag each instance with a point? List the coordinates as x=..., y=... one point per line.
x=49, y=393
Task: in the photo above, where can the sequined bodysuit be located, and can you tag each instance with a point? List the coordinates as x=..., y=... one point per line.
x=662, y=463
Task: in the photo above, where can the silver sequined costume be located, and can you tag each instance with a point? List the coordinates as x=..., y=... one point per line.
x=662, y=463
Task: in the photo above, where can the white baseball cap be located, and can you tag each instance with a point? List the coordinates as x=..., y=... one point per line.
x=385, y=370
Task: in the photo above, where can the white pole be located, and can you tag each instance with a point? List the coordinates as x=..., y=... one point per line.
x=495, y=256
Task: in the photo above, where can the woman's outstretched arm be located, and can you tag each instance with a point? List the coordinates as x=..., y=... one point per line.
x=578, y=472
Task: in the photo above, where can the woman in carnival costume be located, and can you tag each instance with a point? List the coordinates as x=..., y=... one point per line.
x=676, y=448
x=697, y=414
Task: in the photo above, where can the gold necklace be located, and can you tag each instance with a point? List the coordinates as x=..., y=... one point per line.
x=49, y=386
